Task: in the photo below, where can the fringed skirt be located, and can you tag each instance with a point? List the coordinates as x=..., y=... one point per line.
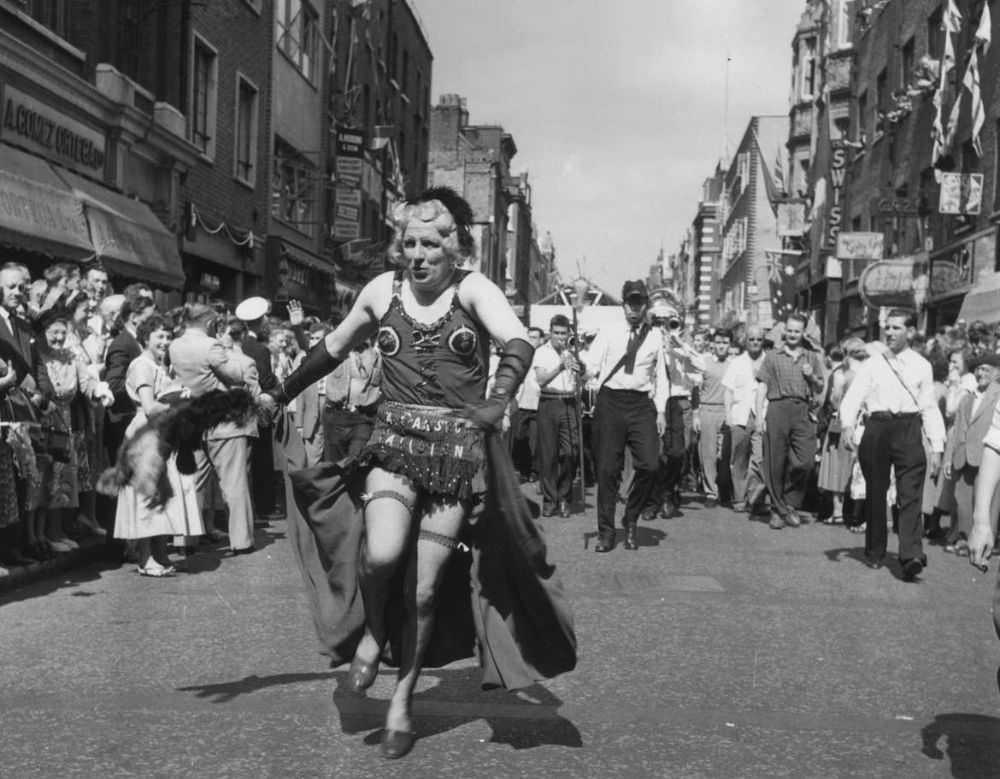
x=436, y=448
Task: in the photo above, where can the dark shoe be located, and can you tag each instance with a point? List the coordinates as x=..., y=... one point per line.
x=711, y=503
x=875, y=563
x=549, y=511
x=912, y=568
x=397, y=743
x=777, y=522
x=936, y=534
x=605, y=545
x=563, y=508
x=740, y=508
x=237, y=552
x=361, y=676
x=631, y=541
x=793, y=519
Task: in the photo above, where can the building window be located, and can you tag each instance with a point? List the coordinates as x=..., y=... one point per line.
x=245, y=162
x=861, y=130
x=49, y=13
x=907, y=62
x=935, y=35
x=881, y=99
x=204, y=96
x=293, y=188
x=297, y=30
x=808, y=68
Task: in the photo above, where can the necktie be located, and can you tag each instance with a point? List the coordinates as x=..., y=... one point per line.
x=635, y=338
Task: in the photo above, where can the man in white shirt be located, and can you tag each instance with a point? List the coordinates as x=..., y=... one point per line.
x=741, y=398
x=626, y=360
x=524, y=427
x=557, y=372
x=895, y=388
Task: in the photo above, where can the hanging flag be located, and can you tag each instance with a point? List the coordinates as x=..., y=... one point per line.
x=984, y=33
x=781, y=273
x=381, y=135
x=819, y=198
x=971, y=83
x=951, y=21
x=938, y=129
x=779, y=170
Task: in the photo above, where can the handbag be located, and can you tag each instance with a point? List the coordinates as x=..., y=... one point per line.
x=58, y=438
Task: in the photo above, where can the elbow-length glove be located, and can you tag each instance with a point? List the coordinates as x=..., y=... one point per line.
x=511, y=370
x=318, y=363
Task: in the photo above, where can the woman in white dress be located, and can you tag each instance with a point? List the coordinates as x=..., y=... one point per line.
x=150, y=385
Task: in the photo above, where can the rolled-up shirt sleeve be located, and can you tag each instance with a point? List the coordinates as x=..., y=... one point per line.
x=930, y=413
x=850, y=406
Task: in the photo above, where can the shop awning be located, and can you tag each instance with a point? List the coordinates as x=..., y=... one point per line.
x=982, y=301
x=127, y=235
x=37, y=210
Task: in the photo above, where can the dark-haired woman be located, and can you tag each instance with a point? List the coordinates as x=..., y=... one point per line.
x=148, y=382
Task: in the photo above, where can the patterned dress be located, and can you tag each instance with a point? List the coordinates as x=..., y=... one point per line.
x=69, y=379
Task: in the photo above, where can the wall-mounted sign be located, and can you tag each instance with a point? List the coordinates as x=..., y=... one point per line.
x=961, y=193
x=791, y=218
x=860, y=246
x=835, y=215
x=41, y=128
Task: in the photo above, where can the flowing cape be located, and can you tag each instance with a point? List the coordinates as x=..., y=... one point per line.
x=503, y=601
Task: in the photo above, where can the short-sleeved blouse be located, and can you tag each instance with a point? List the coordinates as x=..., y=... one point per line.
x=144, y=371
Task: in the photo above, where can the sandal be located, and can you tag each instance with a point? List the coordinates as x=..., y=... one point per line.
x=858, y=528
x=155, y=571
x=833, y=521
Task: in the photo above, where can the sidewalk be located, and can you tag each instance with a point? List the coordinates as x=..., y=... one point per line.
x=92, y=549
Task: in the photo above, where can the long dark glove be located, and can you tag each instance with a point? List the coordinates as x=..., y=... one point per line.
x=513, y=367
x=317, y=364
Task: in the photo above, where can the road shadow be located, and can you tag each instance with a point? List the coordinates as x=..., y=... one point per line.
x=856, y=553
x=224, y=692
x=522, y=720
x=645, y=536
x=971, y=743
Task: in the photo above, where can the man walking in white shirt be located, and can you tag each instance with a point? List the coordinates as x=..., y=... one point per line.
x=627, y=362
x=742, y=396
x=895, y=388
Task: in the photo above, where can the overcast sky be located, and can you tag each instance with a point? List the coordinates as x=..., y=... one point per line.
x=617, y=109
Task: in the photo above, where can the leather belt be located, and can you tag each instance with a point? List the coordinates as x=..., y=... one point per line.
x=340, y=405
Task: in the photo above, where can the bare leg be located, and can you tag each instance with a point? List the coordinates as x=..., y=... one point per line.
x=425, y=567
x=387, y=528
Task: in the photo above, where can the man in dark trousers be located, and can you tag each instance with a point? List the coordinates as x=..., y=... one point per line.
x=558, y=373
x=253, y=311
x=792, y=375
x=626, y=361
x=895, y=387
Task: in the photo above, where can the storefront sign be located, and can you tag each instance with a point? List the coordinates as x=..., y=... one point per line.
x=37, y=127
x=961, y=193
x=41, y=213
x=350, y=143
x=860, y=246
x=890, y=282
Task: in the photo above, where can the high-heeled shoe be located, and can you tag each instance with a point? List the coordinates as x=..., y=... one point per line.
x=361, y=676
x=397, y=743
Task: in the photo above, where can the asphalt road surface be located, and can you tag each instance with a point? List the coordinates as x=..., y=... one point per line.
x=720, y=649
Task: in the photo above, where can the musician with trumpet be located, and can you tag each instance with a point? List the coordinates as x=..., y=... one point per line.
x=685, y=369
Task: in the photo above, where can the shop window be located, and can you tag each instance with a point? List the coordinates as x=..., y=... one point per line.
x=293, y=188
x=204, y=96
x=297, y=28
x=245, y=163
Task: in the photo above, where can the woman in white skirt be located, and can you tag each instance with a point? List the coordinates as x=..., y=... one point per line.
x=150, y=385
